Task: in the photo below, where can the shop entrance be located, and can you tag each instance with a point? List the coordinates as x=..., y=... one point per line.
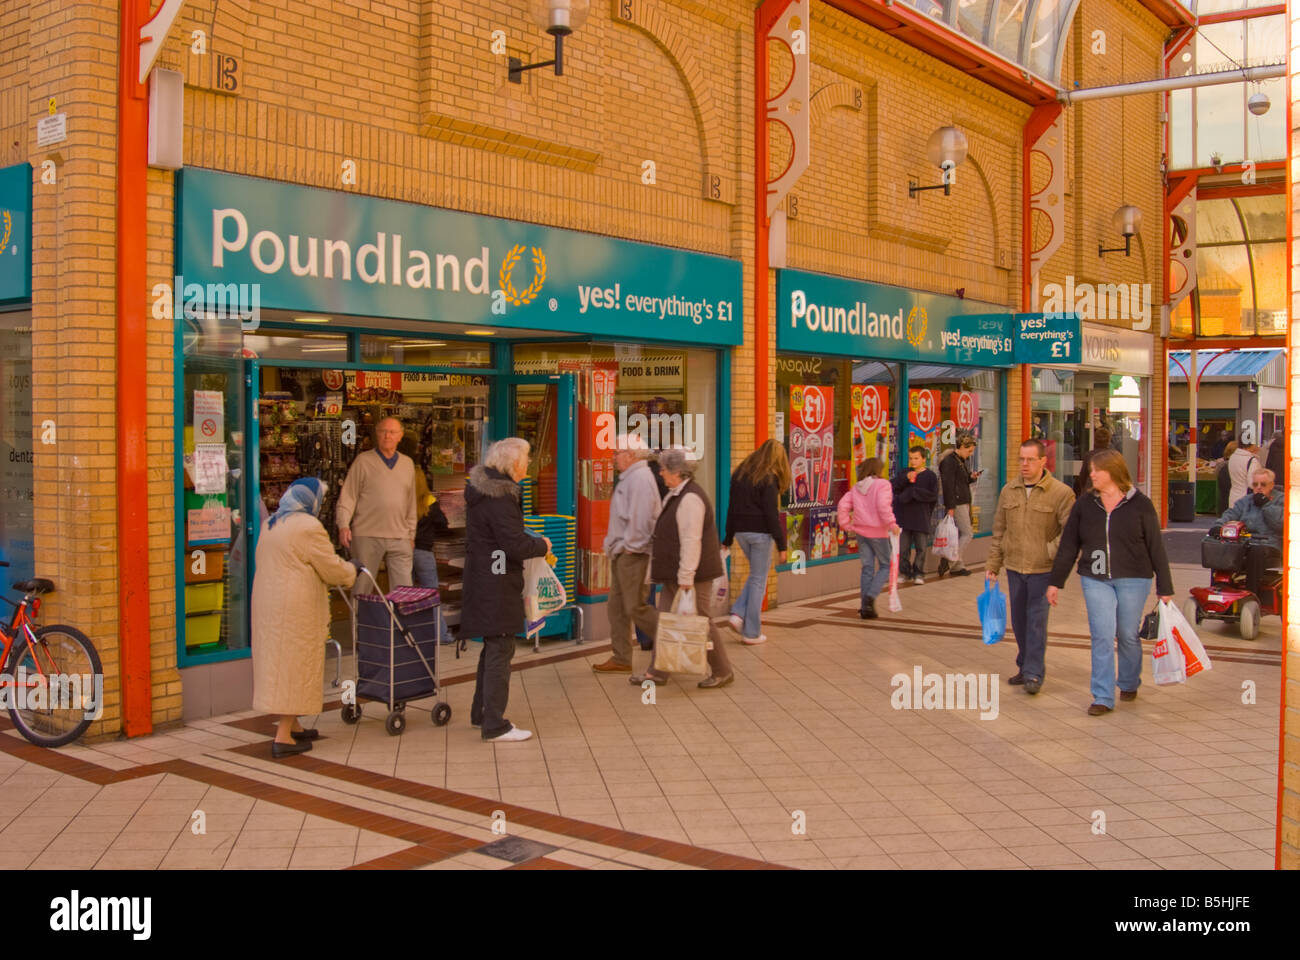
x=313, y=420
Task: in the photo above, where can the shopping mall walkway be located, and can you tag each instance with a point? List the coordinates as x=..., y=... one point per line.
x=1185, y=776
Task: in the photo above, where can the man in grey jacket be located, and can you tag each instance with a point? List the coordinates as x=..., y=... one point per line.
x=633, y=511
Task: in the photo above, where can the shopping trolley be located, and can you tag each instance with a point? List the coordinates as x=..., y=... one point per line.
x=395, y=649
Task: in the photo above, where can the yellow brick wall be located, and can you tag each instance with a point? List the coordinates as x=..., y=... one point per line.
x=410, y=91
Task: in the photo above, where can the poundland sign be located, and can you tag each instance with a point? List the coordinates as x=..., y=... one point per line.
x=834, y=315
x=325, y=251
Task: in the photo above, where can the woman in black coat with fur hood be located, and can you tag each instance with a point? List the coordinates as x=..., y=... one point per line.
x=496, y=545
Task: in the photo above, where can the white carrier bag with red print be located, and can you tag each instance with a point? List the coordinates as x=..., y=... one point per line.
x=1178, y=653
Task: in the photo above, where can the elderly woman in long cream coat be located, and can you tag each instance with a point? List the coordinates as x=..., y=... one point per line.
x=296, y=566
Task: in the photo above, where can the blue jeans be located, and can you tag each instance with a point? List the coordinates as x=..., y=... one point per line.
x=1029, y=607
x=910, y=566
x=757, y=548
x=424, y=566
x=874, y=552
x=1115, y=614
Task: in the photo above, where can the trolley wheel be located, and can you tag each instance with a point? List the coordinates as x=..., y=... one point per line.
x=1192, y=611
x=1249, y=619
x=395, y=723
x=441, y=714
x=351, y=712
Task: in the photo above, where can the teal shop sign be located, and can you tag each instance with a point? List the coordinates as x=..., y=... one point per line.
x=16, y=232
x=325, y=251
x=833, y=315
x=1047, y=337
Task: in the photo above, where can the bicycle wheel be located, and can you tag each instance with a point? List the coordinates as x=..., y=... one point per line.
x=57, y=688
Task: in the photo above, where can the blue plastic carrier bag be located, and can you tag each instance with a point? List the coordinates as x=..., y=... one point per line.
x=993, y=612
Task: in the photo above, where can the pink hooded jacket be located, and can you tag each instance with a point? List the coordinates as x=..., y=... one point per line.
x=868, y=508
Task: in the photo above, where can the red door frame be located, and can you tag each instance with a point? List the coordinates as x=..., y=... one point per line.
x=134, y=634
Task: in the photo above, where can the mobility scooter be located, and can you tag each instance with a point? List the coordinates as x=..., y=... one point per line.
x=1228, y=551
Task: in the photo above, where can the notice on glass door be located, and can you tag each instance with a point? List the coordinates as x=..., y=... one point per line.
x=209, y=416
x=209, y=471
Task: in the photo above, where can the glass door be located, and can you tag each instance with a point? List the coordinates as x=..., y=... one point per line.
x=540, y=409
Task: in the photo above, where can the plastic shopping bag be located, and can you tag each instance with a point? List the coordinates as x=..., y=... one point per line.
x=1167, y=663
x=992, y=605
x=543, y=594
x=720, y=589
x=682, y=638
x=894, y=604
x=945, y=539
x=1174, y=629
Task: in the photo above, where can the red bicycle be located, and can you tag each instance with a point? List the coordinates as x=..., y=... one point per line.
x=52, y=681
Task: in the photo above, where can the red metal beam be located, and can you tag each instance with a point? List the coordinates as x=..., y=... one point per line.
x=1169, y=12
x=1228, y=343
x=941, y=42
x=1263, y=165
x=1043, y=117
x=1229, y=15
x=1243, y=190
x=765, y=17
x=134, y=633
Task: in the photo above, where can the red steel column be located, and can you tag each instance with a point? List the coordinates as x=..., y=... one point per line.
x=134, y=633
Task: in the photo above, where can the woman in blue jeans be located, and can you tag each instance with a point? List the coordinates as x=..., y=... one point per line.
x=754, y=521
x=1114, y=531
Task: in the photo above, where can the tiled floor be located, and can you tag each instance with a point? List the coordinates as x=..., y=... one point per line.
x=803, y=762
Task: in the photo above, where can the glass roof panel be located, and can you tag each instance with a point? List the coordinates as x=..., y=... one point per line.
x=1010, y=22
x=973, y=17
x=1217, y=222
x=931, y=8
x=1051, y=22
x=1265, y=217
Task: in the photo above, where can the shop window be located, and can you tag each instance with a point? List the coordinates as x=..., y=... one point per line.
x=293, y=345
x=945, y=402
x=414, y=352
x=1055, y=421
x=215, y=552
x=17, y=505
x=833, y=415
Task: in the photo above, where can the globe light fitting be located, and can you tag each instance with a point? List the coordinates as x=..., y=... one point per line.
x=559, y=18
x=946, y=149
x=1126, y=221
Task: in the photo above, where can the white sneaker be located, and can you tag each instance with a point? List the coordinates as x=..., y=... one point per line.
x=754, y=641
x=514, y=733
x=737, y=624
x=918, y=580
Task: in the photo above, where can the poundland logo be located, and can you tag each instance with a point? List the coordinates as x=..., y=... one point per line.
x=76, y=913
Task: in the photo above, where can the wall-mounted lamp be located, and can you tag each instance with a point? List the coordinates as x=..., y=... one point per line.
x=946, y=148
x=559, y=18
x=1125, y=221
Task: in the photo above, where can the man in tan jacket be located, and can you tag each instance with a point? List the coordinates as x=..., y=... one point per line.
x=376, y=509
x=1032, y=511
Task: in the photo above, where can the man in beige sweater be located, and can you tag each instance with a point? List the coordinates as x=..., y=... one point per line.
x=376, y=510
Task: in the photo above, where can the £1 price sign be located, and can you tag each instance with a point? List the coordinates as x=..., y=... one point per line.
x=923, y=410
x=968, y=411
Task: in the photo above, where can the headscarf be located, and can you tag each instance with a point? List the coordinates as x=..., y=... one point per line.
x=303, y=496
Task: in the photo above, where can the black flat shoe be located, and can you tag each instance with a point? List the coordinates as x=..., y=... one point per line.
x=311, y=733
x=279, y=749
x=1017, y=680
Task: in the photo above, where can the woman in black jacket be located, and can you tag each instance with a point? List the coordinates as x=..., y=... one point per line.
x=1117, y=531
x=496, y=545
x=754, y=519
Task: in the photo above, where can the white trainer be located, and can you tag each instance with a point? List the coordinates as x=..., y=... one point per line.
x=920, y=581
x=737, y=624
x=513, y=734
x=754, y=641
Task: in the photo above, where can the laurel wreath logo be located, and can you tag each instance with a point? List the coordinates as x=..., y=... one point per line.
x=9, y=227
x=530, y=292
x=915, y=330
